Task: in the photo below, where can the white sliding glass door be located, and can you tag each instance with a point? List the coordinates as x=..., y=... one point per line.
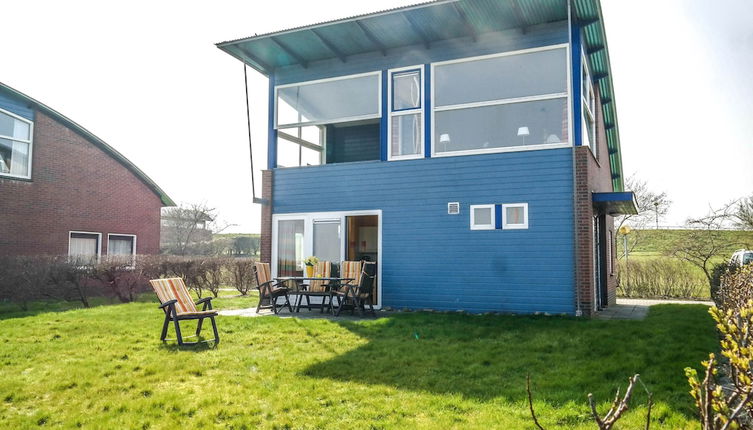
x=326, y=235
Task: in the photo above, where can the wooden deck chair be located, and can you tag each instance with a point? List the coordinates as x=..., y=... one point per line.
x=316, y=288
x=357, y=294
x=269, y=290
x=178, y=306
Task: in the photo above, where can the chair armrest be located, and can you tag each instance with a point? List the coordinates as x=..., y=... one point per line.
x=207, y=303
x=168, y=303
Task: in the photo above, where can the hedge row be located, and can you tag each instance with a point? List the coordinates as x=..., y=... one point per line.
x=26, y=279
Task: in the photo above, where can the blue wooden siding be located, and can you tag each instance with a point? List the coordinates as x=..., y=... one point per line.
x=16, y=106
x=433, y=260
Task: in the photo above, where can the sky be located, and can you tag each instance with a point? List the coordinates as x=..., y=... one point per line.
x=146, y=77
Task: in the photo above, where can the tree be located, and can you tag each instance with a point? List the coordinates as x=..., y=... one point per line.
x=188, y=229
x=704, y=241
x=744, y=213
x=652, y=205
x=246, y=245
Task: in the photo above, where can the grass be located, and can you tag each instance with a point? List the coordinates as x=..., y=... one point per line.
x=105, y=368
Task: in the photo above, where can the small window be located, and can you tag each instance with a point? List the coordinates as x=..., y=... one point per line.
x=406, y=118
x=515, y=216
x=482, y=217
x=84, y=248
x=588, y=98
x=122, y=245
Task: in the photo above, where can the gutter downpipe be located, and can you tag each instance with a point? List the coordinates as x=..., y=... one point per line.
x=578, y=310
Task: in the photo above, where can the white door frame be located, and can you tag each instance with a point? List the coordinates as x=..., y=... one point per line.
x=308, y=238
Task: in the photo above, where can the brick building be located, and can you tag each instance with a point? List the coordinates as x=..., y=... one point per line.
x=65, y=191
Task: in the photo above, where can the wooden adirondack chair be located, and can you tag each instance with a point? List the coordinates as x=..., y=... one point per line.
x=178, y=306
x=358, y=294
x=269, y=290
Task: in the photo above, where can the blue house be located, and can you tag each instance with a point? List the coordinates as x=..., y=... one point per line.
x=469, y=147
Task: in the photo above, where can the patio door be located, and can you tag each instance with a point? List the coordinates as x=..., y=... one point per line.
x=330, y=236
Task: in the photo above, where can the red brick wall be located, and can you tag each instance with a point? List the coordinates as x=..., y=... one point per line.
x=266, y=217
x=74, y=185
x=592, y=175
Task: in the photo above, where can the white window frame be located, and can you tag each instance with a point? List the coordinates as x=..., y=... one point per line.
x=391, y=113
x=567, y=95
x=99, y=242
x=490, y=226
x=133, y=252
x=15, y=139
x=588, y=106
x=308, y=238
x=505, y=225
x=377, y=73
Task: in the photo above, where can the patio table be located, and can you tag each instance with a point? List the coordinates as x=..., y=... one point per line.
x=299, y=280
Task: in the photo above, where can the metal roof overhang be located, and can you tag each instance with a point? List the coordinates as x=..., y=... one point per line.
x=616, y=203
x=427, y=23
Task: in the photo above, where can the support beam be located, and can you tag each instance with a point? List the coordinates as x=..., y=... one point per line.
x=330, y=46
x=599, y=76
x=257, y=65
x=595, y=49
x=466, y=22
x=519, y=16
x=298, y=140
x=583, y=22
x=416, y=29
x=300, y=60
x=369, y=35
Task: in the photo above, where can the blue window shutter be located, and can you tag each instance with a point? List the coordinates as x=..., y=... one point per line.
x=498, y=216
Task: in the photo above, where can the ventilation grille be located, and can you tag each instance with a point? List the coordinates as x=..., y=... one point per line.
x=453, y=208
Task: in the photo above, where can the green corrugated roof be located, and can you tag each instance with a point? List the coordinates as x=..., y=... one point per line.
x=166, y=200
x=429, y=22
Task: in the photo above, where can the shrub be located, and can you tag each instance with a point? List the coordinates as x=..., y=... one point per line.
x=211, y=275
x=241, y=274
x=736, y=288
x=659, y=277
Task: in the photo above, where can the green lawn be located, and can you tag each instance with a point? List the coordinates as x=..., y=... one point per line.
x=104, y=367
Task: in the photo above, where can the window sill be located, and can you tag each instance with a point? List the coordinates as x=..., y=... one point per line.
x=500, y=150
x=15, y=178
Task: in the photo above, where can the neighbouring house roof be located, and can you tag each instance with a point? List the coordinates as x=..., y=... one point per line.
x=425, y=23
x=57, y=116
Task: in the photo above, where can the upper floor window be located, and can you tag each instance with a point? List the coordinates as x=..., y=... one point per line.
x=406, y=114
x=492, y=103
x=588, y=100
x=329, y=120
x=15, y=146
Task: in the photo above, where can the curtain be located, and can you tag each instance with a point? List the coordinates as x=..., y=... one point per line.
x=83, y=248
x=120, y=246
x=290, y=248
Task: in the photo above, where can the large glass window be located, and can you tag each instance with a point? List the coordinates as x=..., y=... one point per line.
x=406, y=119
x=329, y=101
x=15, y=146
x=309, y=115
x=327, y=240
x=290, y=247
x=492, y=103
